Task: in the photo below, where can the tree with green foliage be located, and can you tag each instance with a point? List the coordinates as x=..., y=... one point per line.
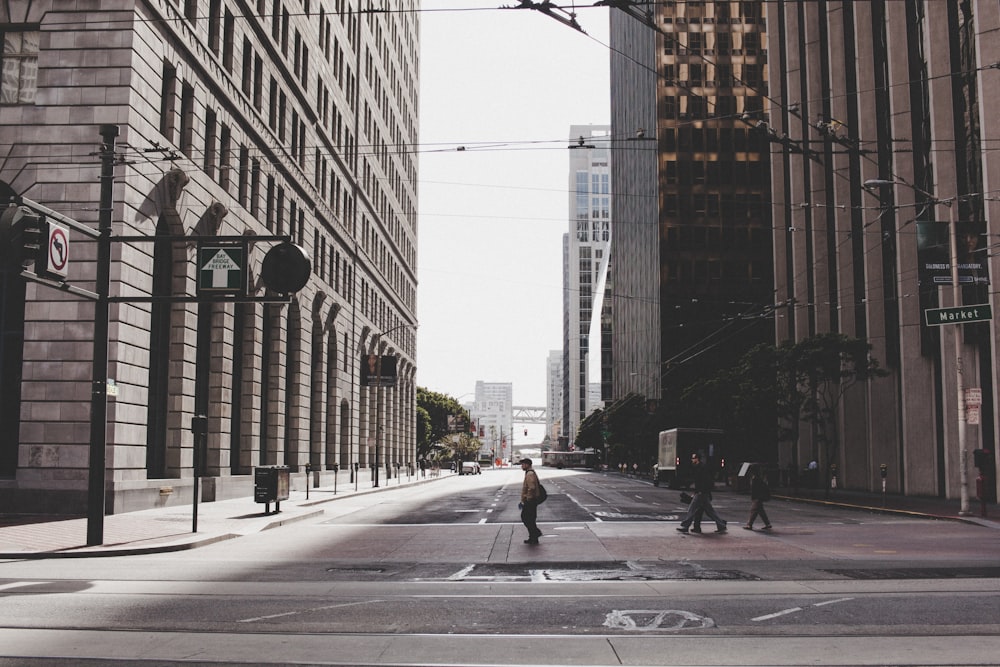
x=741, y=400
x=624, y=432
x=590, y=435
x=433, y=424
x=815, y=374
x=460, y=447
x=772, y=391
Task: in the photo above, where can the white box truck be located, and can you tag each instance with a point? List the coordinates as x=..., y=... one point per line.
x=675, y=448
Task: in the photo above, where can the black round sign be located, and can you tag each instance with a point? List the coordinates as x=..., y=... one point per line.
x=286, y=268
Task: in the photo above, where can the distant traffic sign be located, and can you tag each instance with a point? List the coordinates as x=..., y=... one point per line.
x=961, y=315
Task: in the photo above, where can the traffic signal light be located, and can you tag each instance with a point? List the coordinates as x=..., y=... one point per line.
x=23, y=237
x=982, y=459
x=286, y=268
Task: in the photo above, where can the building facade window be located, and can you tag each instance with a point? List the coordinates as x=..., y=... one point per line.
x=19, y=64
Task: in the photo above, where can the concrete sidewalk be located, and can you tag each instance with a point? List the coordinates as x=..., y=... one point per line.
x=921, y=506
x=170, y=528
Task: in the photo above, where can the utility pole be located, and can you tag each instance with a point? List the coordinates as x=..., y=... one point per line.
x=99, y=381
x=956, y=299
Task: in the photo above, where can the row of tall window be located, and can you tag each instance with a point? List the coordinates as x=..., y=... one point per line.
x=711, y=204
x=747, y=173
x=698, y=107
x=691, y=11
x=715, y=43
x=686, y=237
x=720, y=75
x=705, y=271
x=689, y=138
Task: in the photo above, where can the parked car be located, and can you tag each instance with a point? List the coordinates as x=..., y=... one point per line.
x=471, y=468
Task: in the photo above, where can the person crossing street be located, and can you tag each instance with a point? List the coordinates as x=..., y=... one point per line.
x=701, y=503
x=530, y=498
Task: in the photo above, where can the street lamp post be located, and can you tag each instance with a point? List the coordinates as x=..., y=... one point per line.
x=956, y=297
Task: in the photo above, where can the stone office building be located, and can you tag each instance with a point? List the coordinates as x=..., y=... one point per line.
x=888, y=110
x=235, y=119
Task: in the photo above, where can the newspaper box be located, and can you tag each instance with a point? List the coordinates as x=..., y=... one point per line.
x=270, y=485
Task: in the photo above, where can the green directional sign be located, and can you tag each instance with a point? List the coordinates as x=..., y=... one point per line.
x=220, y=268
x=961, y=315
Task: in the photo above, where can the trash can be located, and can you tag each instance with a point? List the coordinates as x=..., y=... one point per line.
x=270, y=485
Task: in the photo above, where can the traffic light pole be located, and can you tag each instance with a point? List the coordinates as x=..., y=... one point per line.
x=99, y=384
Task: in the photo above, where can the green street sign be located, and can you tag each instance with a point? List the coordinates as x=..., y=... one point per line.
x=961, y=315
x=220, y=268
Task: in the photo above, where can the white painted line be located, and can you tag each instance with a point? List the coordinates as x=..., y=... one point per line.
x=306, y=611
x=823, y=604
x=777, y=614
x=462, y=573
x=481, y=521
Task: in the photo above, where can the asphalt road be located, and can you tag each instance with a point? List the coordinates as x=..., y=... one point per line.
x=439, y=575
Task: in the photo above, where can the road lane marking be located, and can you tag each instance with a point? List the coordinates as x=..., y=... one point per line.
x=776, y=614
x=785, y=612
x=823, y=604
x=306, y=611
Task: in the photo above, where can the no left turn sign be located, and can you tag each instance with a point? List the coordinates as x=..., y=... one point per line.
x=57, y=261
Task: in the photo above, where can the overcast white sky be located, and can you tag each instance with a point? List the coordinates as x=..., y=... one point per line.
x=506, y=84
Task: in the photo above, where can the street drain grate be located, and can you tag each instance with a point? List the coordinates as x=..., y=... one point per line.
x=921, y=573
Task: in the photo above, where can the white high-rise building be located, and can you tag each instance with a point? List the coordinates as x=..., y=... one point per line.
x=493, y=413
x=586, y=258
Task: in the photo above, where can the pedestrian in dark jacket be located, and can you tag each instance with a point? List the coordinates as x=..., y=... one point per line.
x=530, y=495
x=760, y=493
x=702, y=501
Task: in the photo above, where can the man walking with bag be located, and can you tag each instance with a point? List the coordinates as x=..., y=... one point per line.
x=530, y=498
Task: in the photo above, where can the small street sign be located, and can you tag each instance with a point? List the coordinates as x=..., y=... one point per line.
x=973, y=396
x=972, y=416
x=220, y=268
x=961, y=315
x=57, y=259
